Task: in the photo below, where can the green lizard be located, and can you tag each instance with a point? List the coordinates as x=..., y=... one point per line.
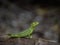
x=25, y=33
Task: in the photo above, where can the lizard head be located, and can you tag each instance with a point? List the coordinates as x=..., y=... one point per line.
x=34, y=24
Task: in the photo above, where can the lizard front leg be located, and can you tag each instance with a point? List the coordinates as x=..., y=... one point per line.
x=30, y=36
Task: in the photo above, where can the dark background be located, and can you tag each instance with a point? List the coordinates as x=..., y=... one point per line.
x=17, y=15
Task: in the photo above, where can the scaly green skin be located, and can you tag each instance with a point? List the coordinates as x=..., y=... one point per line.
x=27, y=32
